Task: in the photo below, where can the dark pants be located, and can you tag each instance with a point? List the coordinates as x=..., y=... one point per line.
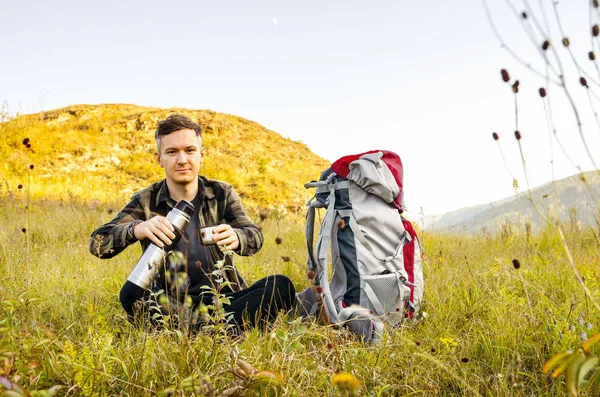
x=252, y=306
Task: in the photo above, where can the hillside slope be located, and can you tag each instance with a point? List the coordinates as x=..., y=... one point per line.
x=106, y=152
x=569, y=199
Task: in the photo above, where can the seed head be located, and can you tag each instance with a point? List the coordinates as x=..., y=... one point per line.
x=495, y=136
x=591, y=55
x=566, y=41
x=418, y=343
x=545, y=45
x=20, y=186
x=31, y=166
x=278, y=240
x=518, y=135
x=516, y=264
x=25, y=141
x=542, y=91
x=515, y=86
x=505, y=76
x=319, y=289
x=285, y=258
x=524, y=15
x=433, y=349
x=263, y=214
x=24, y=230
x=464, y=360
x=28, y=146
x=595, y=30
x=583, y=82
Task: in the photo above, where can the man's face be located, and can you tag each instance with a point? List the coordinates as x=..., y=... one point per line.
x=180, y=155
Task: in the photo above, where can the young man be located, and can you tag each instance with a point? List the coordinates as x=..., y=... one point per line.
x=180, y=153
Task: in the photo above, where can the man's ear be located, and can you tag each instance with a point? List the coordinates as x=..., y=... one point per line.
x=202, y=153
x=157, y=156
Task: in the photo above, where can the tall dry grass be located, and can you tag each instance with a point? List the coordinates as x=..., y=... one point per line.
x=497, y=309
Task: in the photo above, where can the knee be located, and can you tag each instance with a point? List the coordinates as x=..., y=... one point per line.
x=283, y=286
x=130, y=293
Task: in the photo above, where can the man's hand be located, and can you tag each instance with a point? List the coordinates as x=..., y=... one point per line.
x=158, y=229
x=226, y=237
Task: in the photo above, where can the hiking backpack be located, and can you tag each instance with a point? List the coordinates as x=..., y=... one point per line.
x=374, y=253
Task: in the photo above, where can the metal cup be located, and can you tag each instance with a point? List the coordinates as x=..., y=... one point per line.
x=206, y=235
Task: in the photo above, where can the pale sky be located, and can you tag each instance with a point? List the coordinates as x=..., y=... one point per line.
x=421, y=78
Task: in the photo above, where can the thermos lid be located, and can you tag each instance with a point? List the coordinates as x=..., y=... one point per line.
x=185, y=207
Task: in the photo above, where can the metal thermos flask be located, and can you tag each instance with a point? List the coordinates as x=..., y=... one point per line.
x=154, y=257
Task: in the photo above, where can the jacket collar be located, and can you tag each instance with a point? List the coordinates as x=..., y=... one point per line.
x=206, y=192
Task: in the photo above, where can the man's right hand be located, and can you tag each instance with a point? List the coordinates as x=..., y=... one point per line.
x=158, y=229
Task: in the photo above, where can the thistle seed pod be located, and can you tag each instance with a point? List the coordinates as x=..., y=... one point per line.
x=495, y=136
x=505, y=76
x=25, y=141
x=545, y=45
x=591, y=55
x=542, y=92
x=516, y=264
x=515, y=87
x=583, y=82
x=518, y=135
x=566, y=41
x=595, y=30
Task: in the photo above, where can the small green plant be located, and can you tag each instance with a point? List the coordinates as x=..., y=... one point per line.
x=577, y=364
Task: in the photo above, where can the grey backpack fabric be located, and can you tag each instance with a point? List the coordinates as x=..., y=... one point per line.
x=359, y=255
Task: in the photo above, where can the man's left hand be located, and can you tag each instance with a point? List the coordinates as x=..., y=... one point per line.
x=226, y=237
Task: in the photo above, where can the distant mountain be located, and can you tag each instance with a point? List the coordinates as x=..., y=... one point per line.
x=106, y=152
x=574, y=200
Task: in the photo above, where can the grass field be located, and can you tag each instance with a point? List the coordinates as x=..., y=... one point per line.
x=490, y=325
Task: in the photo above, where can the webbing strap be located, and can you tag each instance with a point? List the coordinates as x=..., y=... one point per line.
x=310, y=235
x=373, y=299
x=327, y=227
x=309, y=185
x=323, y=249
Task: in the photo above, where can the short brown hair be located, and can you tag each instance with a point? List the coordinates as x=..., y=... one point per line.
x=175, y=122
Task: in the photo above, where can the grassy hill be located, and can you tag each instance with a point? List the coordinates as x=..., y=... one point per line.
x=573, y=200
x=106, y=152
